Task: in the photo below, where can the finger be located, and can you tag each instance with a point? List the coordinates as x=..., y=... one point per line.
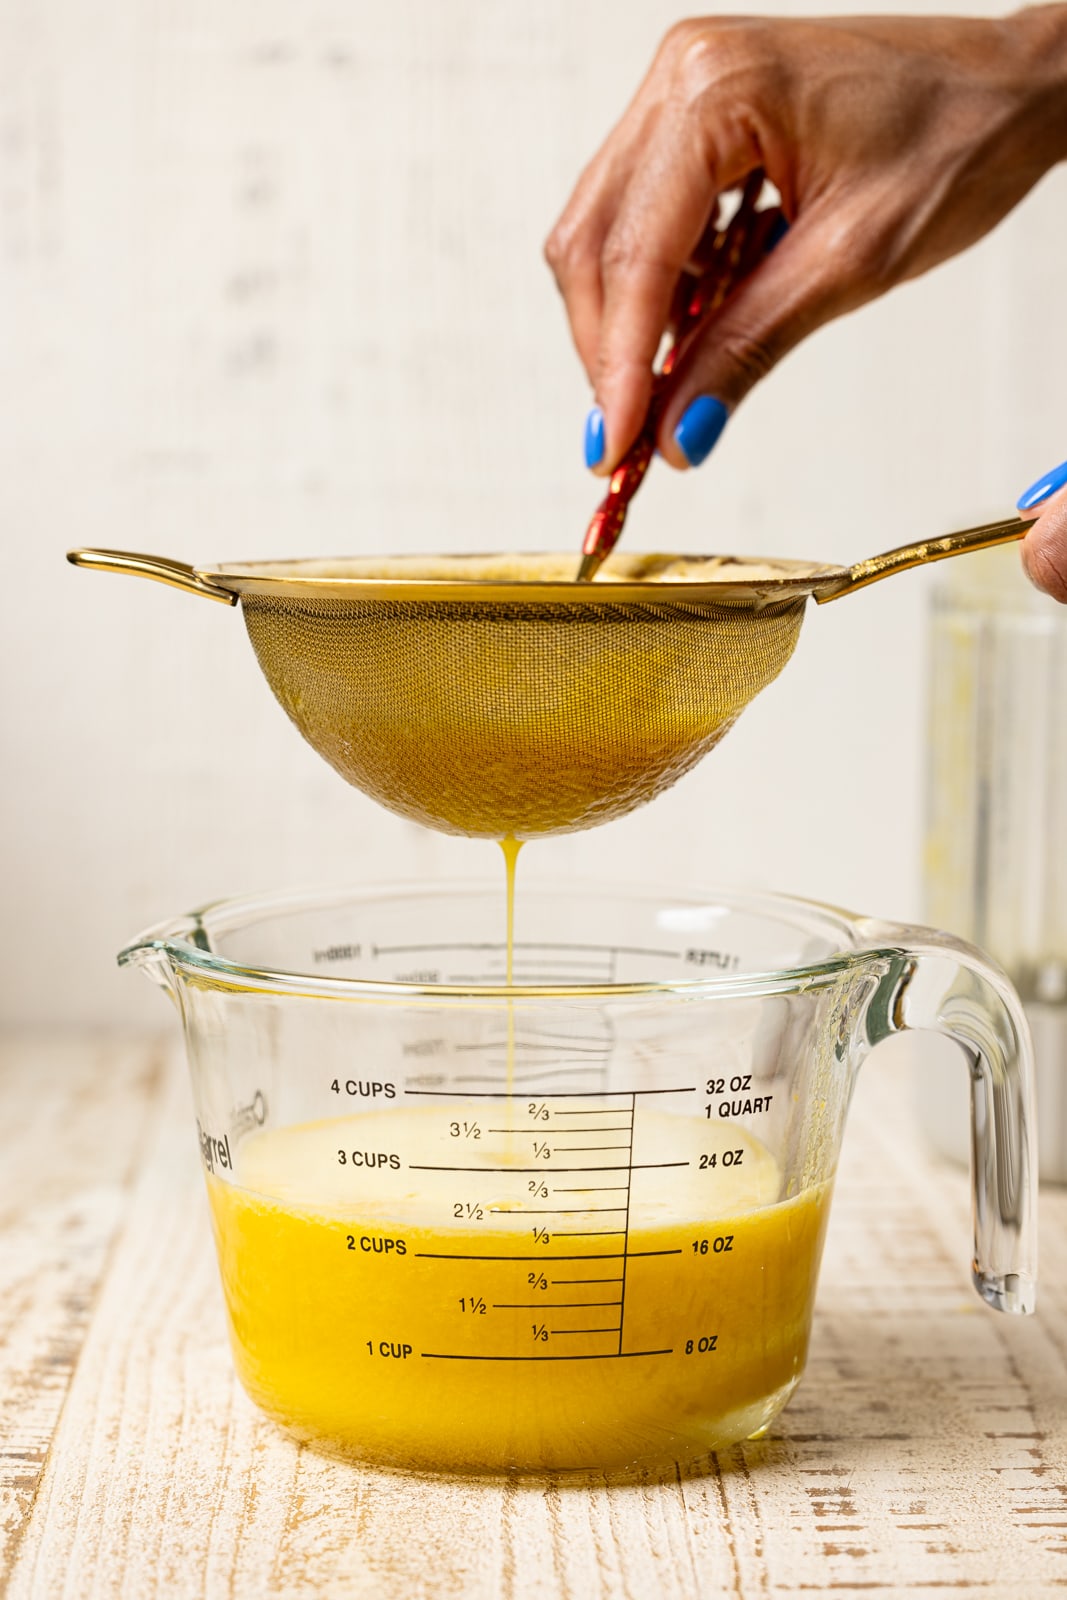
x=1044, y=548
x=572, y=251
x=810, y=278
x=584, y=301
x=573, y=248
x=663, y=215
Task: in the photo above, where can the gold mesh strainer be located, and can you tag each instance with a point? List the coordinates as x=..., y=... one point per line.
x=495, y=695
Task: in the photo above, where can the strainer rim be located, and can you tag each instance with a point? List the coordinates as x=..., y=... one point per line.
x=275, y=579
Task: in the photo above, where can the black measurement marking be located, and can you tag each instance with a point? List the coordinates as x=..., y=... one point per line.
x=592, y=1104
x=554, y=1305
x=555, y=1211
x=622, y=1309
x=555, y=1282
x=602, y=950
x=582, y=1330
x=589, y=1233
x=562, y=1131
x=607, y=1166
x=543, y=1258
x=589, y=1149
x=549, y=1094
x=591, y=1188
x=610, y=1355
x=586, y=1111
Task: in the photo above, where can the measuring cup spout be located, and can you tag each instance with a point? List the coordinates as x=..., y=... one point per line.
x=937, y=982
x=151, y=954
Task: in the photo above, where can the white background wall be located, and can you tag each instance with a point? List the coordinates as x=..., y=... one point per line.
x=271, y=284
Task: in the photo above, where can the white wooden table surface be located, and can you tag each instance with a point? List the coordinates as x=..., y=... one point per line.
x=926, y=1450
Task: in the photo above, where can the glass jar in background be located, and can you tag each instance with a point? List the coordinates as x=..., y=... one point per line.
x=996, y=814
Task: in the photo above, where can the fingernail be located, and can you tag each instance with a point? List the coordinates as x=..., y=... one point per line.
x=698, y=432
x=594, y=437
x=1041, y=490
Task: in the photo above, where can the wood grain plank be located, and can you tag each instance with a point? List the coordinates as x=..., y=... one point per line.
x=71, y=1115
x=925, y=1452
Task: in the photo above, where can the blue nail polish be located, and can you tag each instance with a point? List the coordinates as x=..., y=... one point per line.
x=698, y=432
x=594, y=437
x=1041, y=490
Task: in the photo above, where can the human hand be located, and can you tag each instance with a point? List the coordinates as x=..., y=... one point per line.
x=1045, y=544
x=894, y=142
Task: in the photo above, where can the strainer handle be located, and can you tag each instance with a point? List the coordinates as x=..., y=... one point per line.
x=917, y=555
x=177, y=573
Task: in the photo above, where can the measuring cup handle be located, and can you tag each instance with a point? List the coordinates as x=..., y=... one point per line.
x=936, y=982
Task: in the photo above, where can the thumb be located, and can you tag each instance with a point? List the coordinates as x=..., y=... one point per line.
x=810, y=278
x=1045, y=544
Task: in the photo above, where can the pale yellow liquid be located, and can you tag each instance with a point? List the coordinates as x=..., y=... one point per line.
x=511, y=848
x=477, y=1320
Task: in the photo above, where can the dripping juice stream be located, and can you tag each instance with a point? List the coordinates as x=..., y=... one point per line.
x=511, y=847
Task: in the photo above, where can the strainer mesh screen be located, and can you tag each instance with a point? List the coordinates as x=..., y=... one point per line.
x=489, y=717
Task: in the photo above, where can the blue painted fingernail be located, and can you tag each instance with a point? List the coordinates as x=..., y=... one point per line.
x=1041, y=490
x=698, y=432
x=594, y=437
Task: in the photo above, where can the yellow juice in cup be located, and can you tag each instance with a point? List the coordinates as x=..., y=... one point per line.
x=413, y=1294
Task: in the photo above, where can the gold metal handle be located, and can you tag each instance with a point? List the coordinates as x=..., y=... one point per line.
x=917, y=555
x=177, y=573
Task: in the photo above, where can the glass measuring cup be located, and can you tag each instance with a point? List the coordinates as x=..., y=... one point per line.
x=575, y=1224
